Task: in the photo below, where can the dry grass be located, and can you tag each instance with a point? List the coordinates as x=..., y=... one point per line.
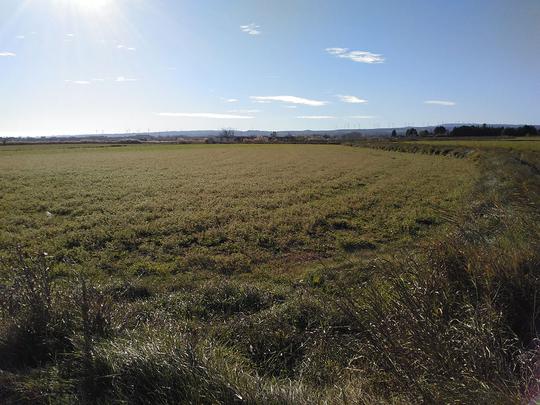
x=521, y=144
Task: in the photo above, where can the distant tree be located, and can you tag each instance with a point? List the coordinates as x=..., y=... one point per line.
x=475, y=131
x=440, y=130
x=394, y=133
x=510, y=131
x=424, y=132
x=227, y=133
x=526, y=130
x=411, y=132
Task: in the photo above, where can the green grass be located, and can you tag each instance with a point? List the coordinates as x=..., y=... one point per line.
x=282, y=274
x=520, y=144
x=141, y=210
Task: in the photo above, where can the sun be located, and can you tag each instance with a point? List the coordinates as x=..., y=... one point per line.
x=89, y=5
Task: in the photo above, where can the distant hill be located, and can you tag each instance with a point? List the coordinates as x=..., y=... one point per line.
x=338, y=133
x=333, y=132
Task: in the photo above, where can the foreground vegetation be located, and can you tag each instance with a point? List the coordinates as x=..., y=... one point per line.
x=432, y=299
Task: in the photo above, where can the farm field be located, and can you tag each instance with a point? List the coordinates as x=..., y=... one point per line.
x=520, y=144
x=286, y=274
x=151, y=210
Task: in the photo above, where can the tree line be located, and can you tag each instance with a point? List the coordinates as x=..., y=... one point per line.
x=473, y=131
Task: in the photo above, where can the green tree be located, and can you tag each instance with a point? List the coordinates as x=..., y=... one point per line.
x=440, y=130
x=411, y=132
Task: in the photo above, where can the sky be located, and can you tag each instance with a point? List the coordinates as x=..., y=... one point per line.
x=113, y=66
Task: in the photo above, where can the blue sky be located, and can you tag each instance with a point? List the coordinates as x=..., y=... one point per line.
x=87, y=66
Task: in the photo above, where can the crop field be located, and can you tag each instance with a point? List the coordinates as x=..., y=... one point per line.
x=520, y=144
x=143, y=210
x=256, y=274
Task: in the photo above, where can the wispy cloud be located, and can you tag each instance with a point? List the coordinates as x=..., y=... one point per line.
x=98, y=80
x=7, y=54
x=79, y=82
x=440, y=102
x=356, y=56
x=251, y=29
x=206, y=115
x=126, y=48
x=244, y=111
x=316, y=117
x=362, y=117
x=351, y=99
x=123, y=79
x=20, y=37
x=231, y=100
x=289, y=100
x=290, y=106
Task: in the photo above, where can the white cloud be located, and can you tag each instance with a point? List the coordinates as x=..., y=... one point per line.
x=288, y=99
x=290, y=106
x=98, y=80
x=20, y=37
x=70, y=35
x=351, y=99
x=251, y=29
x=356, y=56
x=362, y=117
x=7, y=54
x=244, y=111
x=440, y=102
x=206, y=115
x=231, y=100
x=123, y=79
x=127, y=48
x=316, y=117
x=79, y=82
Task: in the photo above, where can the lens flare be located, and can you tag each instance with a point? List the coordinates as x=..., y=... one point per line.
x=89, y=5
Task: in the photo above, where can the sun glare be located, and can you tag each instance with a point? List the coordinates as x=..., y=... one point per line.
x=89, y=5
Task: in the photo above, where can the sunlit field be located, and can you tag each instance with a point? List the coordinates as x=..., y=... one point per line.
x=523, y=144
x=269, y=202
x=292, y=274
x=142, y=210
